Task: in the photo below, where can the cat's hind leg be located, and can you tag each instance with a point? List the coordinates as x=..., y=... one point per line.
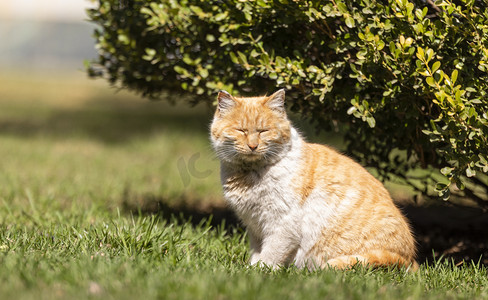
x=374, y=258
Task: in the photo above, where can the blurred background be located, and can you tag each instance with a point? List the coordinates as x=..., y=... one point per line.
x=67, y=138
x=72, y=145
x=60, y=124
x=45, y=35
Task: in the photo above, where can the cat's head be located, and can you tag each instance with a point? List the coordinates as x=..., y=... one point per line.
x=250, y=130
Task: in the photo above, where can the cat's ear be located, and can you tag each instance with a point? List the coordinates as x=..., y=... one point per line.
x=225, y=101
x=277, y=101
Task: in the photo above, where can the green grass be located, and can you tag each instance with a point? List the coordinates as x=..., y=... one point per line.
x=88, y=181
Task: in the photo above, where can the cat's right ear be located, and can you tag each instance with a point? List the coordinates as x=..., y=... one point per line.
x=277, y=101
x=225, y=101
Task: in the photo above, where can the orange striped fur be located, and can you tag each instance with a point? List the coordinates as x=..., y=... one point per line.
x=302, y=203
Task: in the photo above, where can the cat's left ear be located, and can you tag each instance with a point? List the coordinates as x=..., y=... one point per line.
x=277, y=101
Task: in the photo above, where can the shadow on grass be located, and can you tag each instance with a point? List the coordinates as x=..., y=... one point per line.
x=107, y=123
x=183, y=210
x=441, y=232
x=457, y=233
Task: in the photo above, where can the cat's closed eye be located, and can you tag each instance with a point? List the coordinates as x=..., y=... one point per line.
x=241, y=130
x=262, y=130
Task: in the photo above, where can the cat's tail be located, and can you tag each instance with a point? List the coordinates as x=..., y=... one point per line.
x=375, y=258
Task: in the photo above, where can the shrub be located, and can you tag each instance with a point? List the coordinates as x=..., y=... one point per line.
x=406, y=79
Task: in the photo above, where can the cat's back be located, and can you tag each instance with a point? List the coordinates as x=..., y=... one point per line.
x=322, y=167
x=356, y=210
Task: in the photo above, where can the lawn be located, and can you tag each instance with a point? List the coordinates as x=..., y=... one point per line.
x=108, y=196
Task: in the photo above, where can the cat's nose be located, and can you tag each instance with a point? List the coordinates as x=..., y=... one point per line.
x=252, y=146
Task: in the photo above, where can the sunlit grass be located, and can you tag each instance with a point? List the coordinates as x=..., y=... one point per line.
x=88, y=181
x=122, y=257
x=100, y=148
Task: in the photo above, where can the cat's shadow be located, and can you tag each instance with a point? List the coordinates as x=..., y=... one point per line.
x=184, y=211
x=447, y=232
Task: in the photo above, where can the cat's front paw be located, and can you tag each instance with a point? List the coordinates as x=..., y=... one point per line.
x=255, y=259
x=262, y=265
x=257, y=262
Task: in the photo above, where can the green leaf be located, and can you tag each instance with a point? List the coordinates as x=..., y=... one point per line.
x=180, y=70
x=242, y=58
x=430, y=81
x=254, y=53
x=446, y=171
x=430, y=54
x=187, y=60
x=436, y=66
x=361, y=54
x=470, y=172
x=350, y=22
x=441, y=186
x=342, y=7
x=371, y=122
x=204, y=73
x=445, y=194
x=454, y=76
x=221, y=16
x=460, y=184
x=233, y=58
x=418, y=14
x=312, y=69
x=198, y=11
x=150, y=51
x=351, y=110
x=123, y=39
x=420, y=53
x=457, y=96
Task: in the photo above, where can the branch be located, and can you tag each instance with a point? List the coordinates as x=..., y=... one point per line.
x=434, y=7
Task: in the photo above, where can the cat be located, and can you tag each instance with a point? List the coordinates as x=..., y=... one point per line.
x=302, y=204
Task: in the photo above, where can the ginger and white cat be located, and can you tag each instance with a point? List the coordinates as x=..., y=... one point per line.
x=303, y=204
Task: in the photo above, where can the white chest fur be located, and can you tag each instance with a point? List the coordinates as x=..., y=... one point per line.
x=266, y=202
x=261, y=196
